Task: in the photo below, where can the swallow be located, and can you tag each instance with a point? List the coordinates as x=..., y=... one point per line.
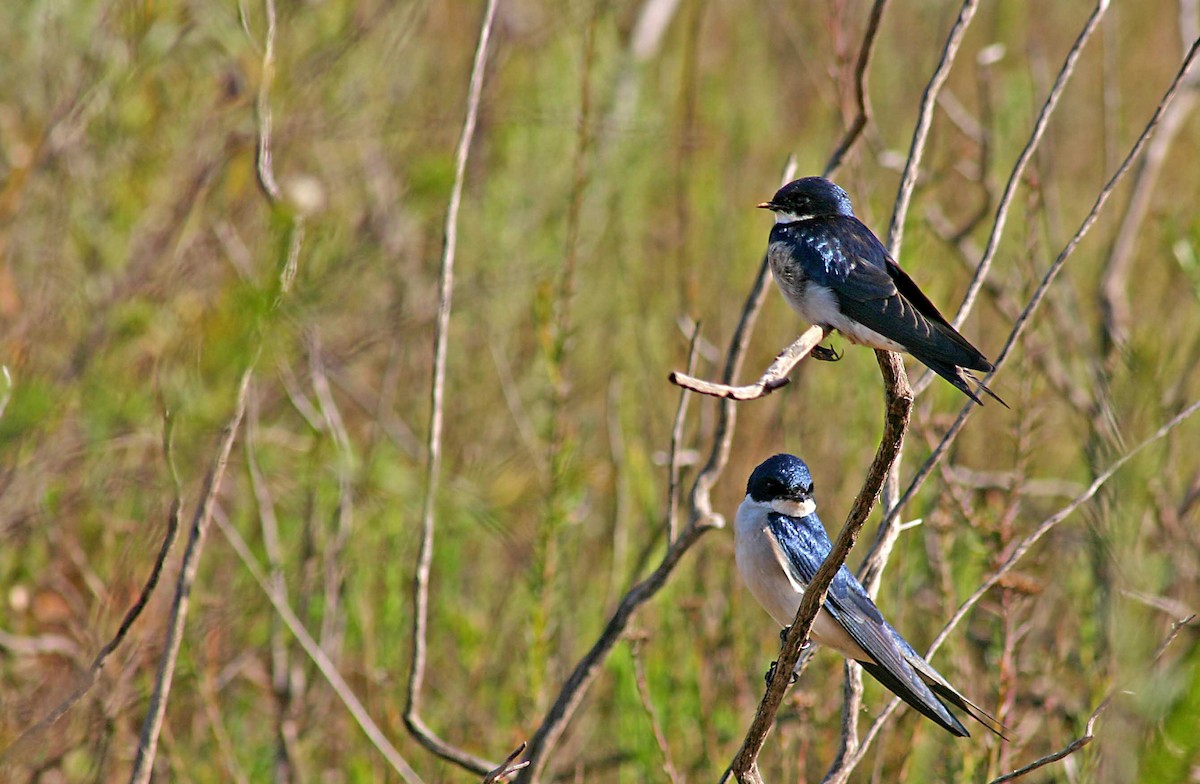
x=779, y=545
x=836, y=273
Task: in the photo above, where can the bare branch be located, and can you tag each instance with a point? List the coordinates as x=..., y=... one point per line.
x=131, y=615
x=772, y=378
x=318, y=656
x=281, y=679
x=1062, y=753
x=265, y=166
x=908, y=180
x=863, y=106
x=643, y=690
x=508, y=767
x=416, y=674
x=1018, y=170
x=1089, y=729
x=1114, y=289
x=1018, y=552
x=673, y=462
x=144, y=763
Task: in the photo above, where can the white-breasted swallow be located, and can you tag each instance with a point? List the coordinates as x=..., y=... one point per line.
x=780, y=543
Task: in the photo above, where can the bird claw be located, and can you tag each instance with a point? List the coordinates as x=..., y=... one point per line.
x=825, y=354
x=770, y=676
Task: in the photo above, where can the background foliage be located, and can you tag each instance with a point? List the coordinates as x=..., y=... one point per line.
x=609, y=201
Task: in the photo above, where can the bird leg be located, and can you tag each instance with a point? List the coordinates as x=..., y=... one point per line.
x=824, y=354
x=783, y=633
x=770, y=676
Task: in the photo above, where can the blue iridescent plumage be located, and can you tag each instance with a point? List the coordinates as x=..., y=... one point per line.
x=779, y=553
x=835, y=272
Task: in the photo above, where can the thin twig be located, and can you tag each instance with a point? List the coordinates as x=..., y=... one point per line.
x=131, y=615
x=318, y=656
x=1051, y=274
x=908, y=181
x=1114, y=289
x=643, y=690
x=265, y=167
x=1089, y=729
x=1018, y=169
x=772, y=378
x=1018, y=552
x=508, y=767
x=416, y=675
x=673, y=467
x=862, y=104
x=281, y=679
x=148, y=745
x=335, y=573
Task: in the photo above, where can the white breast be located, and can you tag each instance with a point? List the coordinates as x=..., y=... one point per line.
x=767, y=578
x=817, y=304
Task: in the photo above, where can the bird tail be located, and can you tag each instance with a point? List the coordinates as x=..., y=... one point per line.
x=971, y=709
x=927, y=704
x=942, y=688
x=959, y=378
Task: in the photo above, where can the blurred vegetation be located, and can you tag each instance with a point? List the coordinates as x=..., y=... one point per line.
x=138, y=274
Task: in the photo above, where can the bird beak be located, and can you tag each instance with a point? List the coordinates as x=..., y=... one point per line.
x=766, y=205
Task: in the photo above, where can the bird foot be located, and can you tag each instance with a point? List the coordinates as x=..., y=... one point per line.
x=770, y=676
x=825, y=354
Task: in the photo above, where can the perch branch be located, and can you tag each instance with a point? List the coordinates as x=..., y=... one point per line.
x=772, y=378
x=899, y=407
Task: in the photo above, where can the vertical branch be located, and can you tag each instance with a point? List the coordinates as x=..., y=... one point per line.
x=1114, y=280
x=265, y=166
x=144, y=763
x=416, y=674
x=281, y=678
x=335, y=577
x=862, y=103
x=898, y=410
x=676, y=441
x=908, y=180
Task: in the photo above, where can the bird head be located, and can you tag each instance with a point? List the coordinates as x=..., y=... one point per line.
x=784, y=483
x=808, y=197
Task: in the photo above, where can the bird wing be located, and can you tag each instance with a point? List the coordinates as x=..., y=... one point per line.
x=873, y=290
x=805, y=544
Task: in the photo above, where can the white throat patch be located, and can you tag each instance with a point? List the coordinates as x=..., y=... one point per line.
x=791, y=217
x=794, y=508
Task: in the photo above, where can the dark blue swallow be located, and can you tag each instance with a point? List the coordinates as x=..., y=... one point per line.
x=779, y=543
x=835, y=273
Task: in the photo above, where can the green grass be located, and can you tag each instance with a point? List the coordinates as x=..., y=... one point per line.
x=139, y=268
